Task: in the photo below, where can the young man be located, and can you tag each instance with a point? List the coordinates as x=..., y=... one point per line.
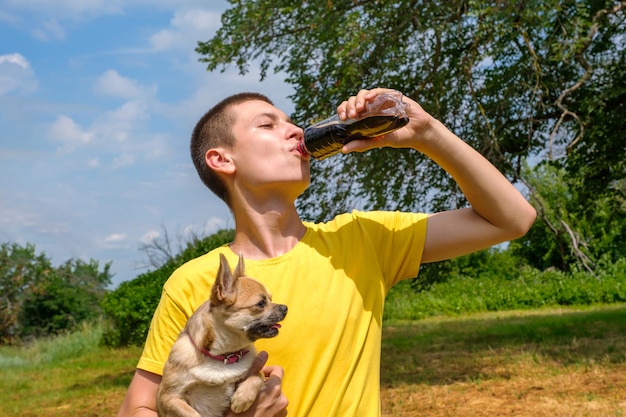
x=333, y=276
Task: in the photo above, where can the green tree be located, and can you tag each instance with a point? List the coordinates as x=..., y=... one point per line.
x=518, y=80
x=70, y=294
x=567, y=235
x=38, y=299
x=20, y=270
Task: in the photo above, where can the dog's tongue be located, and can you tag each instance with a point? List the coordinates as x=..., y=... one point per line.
x=276, y=326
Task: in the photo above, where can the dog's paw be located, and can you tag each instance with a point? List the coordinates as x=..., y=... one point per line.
x=245, y=394
x=242, y=401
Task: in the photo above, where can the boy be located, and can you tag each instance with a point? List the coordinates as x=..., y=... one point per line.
x=333, y=276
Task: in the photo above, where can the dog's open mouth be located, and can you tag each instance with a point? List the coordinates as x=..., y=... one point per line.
x=262, y=330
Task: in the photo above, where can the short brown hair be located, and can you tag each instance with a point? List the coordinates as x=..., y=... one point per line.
x=214, y=129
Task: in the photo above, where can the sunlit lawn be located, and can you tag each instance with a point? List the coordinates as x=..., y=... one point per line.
x=568, y=362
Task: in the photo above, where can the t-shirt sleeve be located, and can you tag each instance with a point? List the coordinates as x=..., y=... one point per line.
x=167, y=322
x=399, y=239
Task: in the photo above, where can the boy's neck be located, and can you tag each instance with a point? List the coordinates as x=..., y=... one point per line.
x=268, y=234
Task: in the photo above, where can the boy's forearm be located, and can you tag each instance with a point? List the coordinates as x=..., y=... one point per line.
x=140, y=400
x=487, y=190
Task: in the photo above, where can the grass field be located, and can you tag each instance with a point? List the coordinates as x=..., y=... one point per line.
x=556, y=363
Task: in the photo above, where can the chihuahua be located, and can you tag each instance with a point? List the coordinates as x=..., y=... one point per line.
x=208, y=366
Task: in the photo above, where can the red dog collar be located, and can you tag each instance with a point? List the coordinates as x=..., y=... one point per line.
x=228, y=358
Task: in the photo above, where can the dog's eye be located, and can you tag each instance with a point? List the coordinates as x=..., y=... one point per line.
x=261, y=304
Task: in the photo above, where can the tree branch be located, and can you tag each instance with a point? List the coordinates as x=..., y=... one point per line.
x=588, y=71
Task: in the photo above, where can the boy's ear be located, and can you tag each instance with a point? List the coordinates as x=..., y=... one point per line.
x=218, y=159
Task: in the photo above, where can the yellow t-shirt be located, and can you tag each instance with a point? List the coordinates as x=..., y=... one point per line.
x=334, y=282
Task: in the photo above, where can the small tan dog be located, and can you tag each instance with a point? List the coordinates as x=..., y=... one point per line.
x=215, y=349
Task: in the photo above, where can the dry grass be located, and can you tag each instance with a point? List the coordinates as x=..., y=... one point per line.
x=551, y=363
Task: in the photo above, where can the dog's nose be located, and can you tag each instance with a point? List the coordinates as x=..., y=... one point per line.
x=282, y=308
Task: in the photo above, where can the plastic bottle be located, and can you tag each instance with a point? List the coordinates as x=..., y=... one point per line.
x=383, y=115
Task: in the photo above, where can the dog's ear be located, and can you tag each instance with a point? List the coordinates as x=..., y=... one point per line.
x=224, y=287
x=240, y=270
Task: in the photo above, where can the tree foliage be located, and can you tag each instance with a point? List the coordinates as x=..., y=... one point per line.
x=568, y=236
x=520, y=81
x=39, y=299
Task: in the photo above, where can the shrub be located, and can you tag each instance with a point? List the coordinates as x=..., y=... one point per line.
x=71, y=294
x=526, y=288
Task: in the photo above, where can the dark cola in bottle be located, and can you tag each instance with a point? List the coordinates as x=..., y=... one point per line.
x=383, y=115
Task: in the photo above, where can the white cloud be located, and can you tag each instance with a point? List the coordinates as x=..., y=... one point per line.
x=164, y=40
x=198, y=20
x=115, y=237
x=121, y=124
x=16, y=74
x=128, y=113
x=111, y=83
x=122, y=134
x=186, y=27
x=114, y=241
x=16, y=59
x=113, y=127
x=68, y=132
x=214, y=224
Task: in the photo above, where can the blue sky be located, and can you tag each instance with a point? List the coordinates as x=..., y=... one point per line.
x=97, y=102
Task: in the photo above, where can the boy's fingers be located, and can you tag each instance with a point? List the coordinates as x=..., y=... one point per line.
x=259, y=363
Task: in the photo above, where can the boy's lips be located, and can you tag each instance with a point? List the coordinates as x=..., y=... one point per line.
x=300, y=149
